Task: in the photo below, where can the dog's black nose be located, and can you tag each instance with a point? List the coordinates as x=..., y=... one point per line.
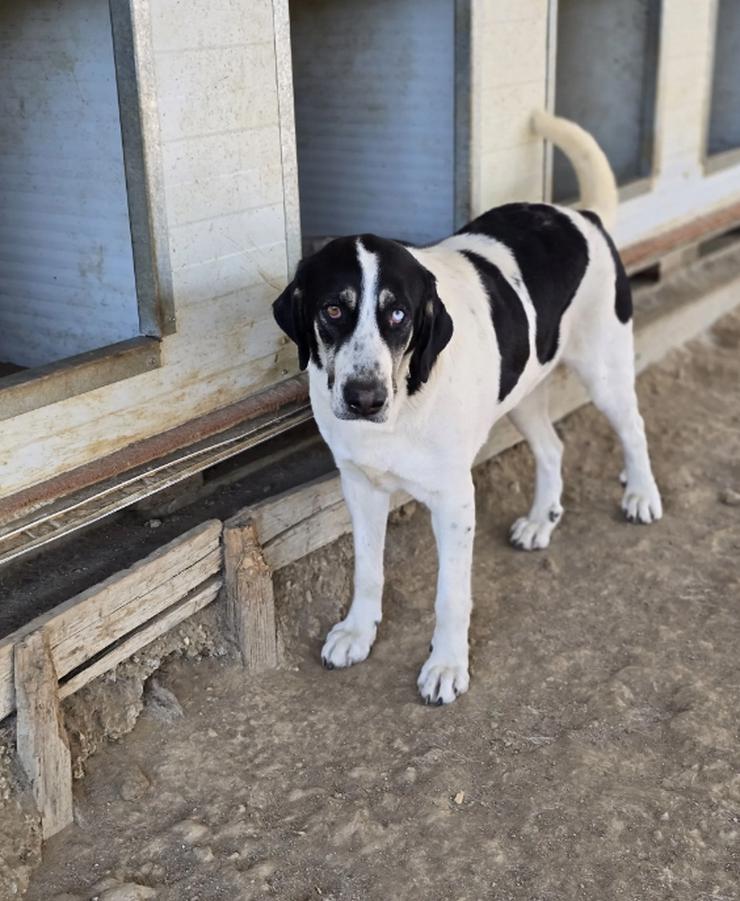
x=365, y=398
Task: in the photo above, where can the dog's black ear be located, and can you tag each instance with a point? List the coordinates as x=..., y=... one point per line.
x=432, y=332
x=290, y=314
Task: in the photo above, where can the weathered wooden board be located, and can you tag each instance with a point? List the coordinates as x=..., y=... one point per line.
x=250, y=604
x=276, y=515
x=95, y=619
x=324, y=526
x=43, y=748
x=139, y=639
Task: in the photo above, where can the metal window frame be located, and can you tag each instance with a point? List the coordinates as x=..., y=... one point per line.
x=462, y=125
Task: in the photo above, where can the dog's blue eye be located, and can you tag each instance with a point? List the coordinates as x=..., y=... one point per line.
x=397, y=316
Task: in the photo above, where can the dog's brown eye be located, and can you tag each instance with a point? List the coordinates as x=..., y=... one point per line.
x=333, y=311
x=397, y=316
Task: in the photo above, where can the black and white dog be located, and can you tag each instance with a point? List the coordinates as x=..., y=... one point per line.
x=413, y=353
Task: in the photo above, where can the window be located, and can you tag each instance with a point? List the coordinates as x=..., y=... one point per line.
x=605, y=78
x=724, y=117
x=380, y=112
x=71, y=278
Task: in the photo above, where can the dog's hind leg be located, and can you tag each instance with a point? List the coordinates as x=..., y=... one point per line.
x=532, y=419
x=608, y=372
x=351, y=640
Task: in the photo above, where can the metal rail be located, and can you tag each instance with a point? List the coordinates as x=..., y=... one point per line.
x=83, y=508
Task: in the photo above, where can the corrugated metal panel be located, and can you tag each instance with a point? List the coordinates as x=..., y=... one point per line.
x=605, y=80
x=66, y=268
x=724, y=123
x=374, y=84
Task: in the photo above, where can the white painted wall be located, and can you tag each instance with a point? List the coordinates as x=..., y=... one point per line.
x=66, y=267
x=680, y=189
x=508, y=81
x=222, y=96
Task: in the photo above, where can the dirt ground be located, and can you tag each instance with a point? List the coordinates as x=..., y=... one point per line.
x=596, y=755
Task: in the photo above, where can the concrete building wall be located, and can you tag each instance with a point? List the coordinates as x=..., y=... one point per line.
x=509, y=40
x=221, y=96
x=681, y=187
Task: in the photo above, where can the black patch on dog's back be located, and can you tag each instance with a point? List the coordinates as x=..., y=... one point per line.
x=509, y=321
x=622, y=287
x=552, y=255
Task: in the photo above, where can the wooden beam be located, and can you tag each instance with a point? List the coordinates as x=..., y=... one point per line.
x=139, y=639
x=700, y=228
x=53, y=521
x=272, y=517
x=43, y=748
x=97, y=618
x=250, y=602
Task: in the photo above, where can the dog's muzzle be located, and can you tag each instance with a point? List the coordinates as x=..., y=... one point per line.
x=364, y=399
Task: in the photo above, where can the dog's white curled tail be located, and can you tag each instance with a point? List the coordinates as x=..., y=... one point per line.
x=596, y=181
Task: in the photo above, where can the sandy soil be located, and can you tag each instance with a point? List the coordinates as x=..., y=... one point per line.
x=596, y=755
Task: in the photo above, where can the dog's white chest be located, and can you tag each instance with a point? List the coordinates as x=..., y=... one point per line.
x=383, y=459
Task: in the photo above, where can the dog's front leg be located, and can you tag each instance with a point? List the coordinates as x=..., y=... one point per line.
x=445, y=674
x=351, y=639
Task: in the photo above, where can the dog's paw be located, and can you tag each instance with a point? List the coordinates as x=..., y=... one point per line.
x=347, y=643
x=642, y=504
x=442, y=680
x=529, y=534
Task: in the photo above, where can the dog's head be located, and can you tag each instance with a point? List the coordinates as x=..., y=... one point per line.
x=367, y=313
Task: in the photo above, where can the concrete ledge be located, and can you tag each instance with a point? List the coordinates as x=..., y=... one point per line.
x=43, y=385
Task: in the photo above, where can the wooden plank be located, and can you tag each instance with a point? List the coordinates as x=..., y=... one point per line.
x=309, y=534
x=699, y=228
x=93, y=620
x=89, y=506
x=276, y=515
x=7, y=683
x=151, y=630
x=43, y=748
x=250, y=603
